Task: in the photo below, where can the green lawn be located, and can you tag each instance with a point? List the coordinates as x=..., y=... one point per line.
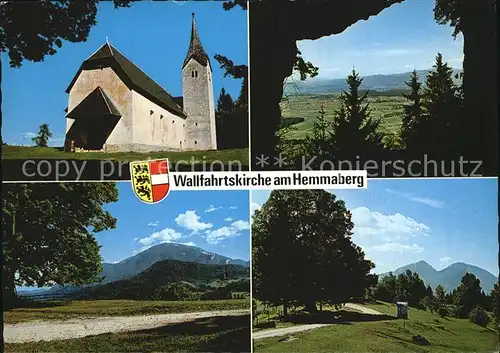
x=216, y=334
x=82, y=308
x=369, y=333
x=386, y=108
x=225, y=156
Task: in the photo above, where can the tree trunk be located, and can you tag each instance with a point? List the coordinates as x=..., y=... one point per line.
x=285, y=309
x=311, y=307
x=8, y=288
x=478, y=21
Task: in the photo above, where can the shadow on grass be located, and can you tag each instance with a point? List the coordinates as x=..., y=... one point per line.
x=215, y=334
x=336, y=317
x=25, y=303
x=231, y=333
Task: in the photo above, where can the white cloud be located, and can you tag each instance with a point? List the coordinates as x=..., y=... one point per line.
x=397, y=247
x=254, y=207
x=445, y=260
x=228, y=219
x=189, y=243
x=232, y=207
x=388, y=227
x=422, y=200
x=212, y=208
x=241, y=225
x=166, y=235
x=191, y=221
x=153, y=224
x=29, y=135
x=217, y=235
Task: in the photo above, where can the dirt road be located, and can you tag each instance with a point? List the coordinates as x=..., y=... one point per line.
x=285, y=331
x=362, y=309
x=294, y=329
x=35, y=331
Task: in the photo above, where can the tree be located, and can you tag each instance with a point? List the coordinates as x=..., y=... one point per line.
x=319, y=144
x=414, y=115
x=235, y=133
x=416, y=289
x=354, y=131
x=495, y=295
x=32, y=30
x=42, y=139
x=429, y=292
x=440, y=296
x=303, y=253
x=479, y=316
x=477, y=21
x=386, y=288
x=468, y=294
x=48, y=233
x=223, y=119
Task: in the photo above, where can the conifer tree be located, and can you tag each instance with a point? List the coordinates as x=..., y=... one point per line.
x=443, y=103
x=440, y=90
x=318, y=144
x=495, y=295
x=414, y=115
x=354, y=131
x=223, y=114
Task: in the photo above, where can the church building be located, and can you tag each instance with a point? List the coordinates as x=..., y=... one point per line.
x=115, y=107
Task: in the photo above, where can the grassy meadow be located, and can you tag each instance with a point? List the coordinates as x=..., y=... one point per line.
x=187, y=157
x=355, y=332
x=60, y=310
x=387, y=108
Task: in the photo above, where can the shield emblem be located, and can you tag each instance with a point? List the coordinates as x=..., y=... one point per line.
x=150, y=180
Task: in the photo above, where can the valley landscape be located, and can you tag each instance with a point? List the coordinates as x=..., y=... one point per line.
x=169, y=296
x=302, y=100
x=351, y=252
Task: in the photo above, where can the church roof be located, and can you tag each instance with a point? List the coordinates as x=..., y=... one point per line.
x=131, y=75
x=97, y=103
x=196, y=50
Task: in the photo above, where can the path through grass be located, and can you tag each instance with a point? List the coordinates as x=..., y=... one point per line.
x=216, y=334
x=92, y=308
x=358, y=334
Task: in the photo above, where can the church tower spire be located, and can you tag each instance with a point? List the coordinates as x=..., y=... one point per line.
x=198, y=96
x=196, y=50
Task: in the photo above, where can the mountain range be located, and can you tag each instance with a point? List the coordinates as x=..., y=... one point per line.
x=197, y=276
x=140, y=262
x=379, y=83
x=449, y=277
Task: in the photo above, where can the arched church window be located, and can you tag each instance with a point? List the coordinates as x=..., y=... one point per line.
x=195, y=124
x=195, y=142
x=196, y=74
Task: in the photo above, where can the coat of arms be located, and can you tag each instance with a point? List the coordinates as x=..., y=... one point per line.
x=150, y=180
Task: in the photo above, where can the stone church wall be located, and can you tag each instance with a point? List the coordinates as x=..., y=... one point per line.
x=155, y=128
x=121, y=95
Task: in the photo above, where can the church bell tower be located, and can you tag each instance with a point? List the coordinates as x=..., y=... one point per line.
x=198, y=96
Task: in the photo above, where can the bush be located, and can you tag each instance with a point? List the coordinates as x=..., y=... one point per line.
x=443, y=311
x=479, y=316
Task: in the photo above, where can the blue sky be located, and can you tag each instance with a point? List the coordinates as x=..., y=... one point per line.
x=441, y=221
x=217, y=221
x=402, y=37
x=154, y=35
